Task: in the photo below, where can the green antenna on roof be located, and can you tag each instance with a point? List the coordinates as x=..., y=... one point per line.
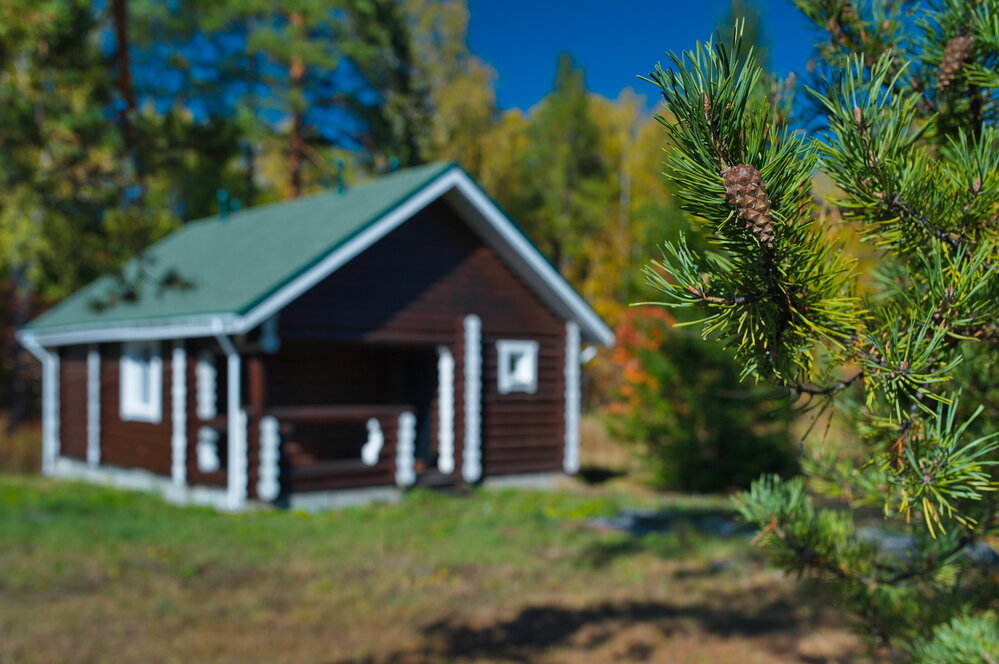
x=341, y=185
x=223, y=198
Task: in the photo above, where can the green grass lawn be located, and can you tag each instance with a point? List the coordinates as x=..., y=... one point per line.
x=98, y=575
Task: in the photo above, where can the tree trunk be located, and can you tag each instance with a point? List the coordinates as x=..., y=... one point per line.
x=296, y=155
x=20, y=297
x=249, y=153
x=120, y=10
x=624, y=204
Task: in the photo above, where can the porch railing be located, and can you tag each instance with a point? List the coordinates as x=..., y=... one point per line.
x=335, y=447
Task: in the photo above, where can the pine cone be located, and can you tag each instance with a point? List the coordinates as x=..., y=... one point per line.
x=955, y=53
x=745, y=192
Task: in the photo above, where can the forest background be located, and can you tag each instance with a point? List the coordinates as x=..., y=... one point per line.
x=121, y=120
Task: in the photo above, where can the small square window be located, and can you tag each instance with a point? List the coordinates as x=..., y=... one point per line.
x=518, y=366
x=141, y=376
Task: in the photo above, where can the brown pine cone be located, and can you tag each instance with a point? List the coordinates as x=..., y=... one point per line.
x=955, y=53
x=745, y=192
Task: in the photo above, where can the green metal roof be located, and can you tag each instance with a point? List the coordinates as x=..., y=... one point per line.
x=226, y=266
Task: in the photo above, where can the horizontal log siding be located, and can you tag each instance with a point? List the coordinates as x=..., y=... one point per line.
x=524, y=433
x=413, y=288
x=133, y=444
x=73, y=402
x=304, y=373
x=253, y=454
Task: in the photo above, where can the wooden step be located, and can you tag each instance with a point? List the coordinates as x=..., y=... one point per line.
x=435, y=479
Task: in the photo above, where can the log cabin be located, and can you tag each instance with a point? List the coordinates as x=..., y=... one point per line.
x=317, y=352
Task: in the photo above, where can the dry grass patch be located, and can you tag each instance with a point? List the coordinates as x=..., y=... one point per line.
x=20, y=449
x=94, y=575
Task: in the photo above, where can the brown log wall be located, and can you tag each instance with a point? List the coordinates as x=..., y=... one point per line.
x=73, y=402
x=130, y=444
x=413, y=289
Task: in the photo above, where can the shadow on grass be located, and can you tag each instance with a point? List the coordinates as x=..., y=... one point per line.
x=539, y=629
x=675, y=532
x=594, y=475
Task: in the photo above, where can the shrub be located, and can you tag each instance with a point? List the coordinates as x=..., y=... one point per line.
x=679, y=399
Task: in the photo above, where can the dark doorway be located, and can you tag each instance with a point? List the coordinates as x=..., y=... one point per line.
x=420, y=370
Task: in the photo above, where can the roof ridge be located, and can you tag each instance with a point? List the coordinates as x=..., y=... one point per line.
x=443, y=165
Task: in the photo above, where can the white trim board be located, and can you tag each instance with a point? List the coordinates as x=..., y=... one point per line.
x=471, y=452
x=176, y=328
x=570, y=461
x=236, y=465
x=51, y=377
x=454, y=186
x=178, y=413
x=320, y=501
x=94, y=405
x=137, y=479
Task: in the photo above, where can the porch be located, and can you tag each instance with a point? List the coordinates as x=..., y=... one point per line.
x=324, y=416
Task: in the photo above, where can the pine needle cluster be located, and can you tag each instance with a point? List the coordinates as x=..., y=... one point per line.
x=909, y=138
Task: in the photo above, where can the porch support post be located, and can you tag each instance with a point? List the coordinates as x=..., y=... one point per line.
x=236, y=420
x=405, y=473
x=445, y=410
x=268, y=482
x=94, y=405
x=178, y=391
x=572, y=398
x=471, y=466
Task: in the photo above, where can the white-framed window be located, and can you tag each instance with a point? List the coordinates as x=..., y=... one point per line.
x=141, y=381
x=517, y=365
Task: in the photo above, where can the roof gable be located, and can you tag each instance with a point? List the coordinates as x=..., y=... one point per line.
x=234, y=273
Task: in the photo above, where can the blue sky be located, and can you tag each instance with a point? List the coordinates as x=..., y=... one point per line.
x=613, y=40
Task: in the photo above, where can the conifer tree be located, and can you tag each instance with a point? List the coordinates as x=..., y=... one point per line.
x=909, y=137
x=64, y=186
x=563, y=173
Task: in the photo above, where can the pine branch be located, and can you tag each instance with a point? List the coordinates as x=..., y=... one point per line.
x=899, y=207
x=928, y=568
x=822, y=391
x=732, y=300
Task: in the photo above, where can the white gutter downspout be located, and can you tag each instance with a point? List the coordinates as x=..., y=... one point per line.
x=50, y=400
x=236, y=419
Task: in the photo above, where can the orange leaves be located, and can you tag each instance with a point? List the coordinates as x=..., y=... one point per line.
x=639, y=331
